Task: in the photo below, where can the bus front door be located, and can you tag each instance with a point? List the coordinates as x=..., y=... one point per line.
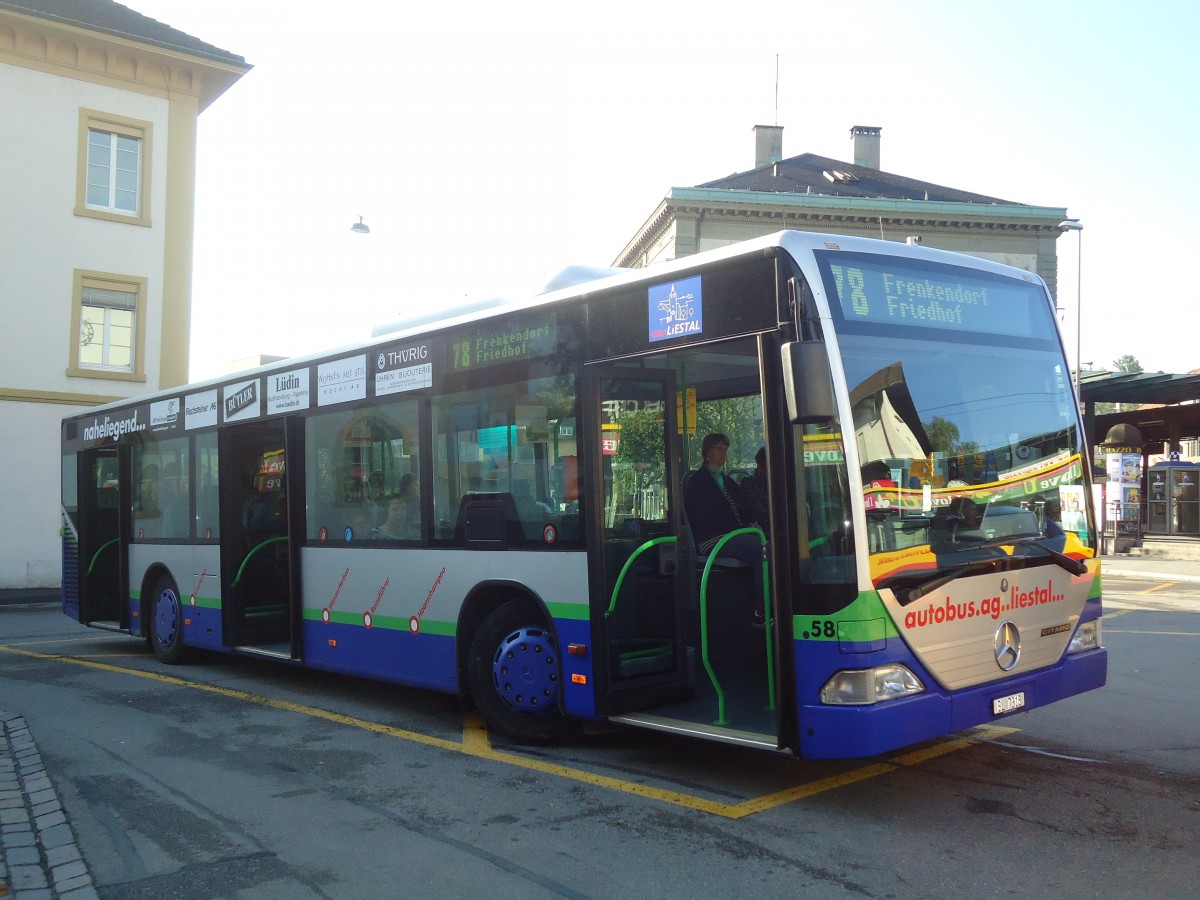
x=639, y=590
x=102, y=541
x=261, y=497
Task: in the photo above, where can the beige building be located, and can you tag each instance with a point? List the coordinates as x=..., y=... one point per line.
x=99, y=136
x=816, y=193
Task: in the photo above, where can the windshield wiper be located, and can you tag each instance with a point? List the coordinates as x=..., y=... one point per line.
x=917, y=591
x=980, y=566
x=1074, y=566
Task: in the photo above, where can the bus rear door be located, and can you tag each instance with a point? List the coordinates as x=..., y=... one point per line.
x=103, y=491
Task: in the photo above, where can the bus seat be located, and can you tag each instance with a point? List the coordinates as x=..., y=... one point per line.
x=488, y=522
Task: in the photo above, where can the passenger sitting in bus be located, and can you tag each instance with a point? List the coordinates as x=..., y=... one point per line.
x=714, y=508
x=962, y=519
x=411, y=495
x=1052, y=527
x=376, y=498
x=395, y=526
x=753, y=489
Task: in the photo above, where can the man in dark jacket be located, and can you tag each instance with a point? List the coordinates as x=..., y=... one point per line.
x=714, y=508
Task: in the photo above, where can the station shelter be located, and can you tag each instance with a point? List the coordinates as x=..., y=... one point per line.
x=1163, y=412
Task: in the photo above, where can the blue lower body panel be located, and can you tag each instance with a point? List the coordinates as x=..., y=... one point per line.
x=386, y=654
x=202, y=627
x=839, y=732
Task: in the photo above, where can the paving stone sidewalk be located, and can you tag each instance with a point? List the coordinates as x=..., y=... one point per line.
x=39, y=857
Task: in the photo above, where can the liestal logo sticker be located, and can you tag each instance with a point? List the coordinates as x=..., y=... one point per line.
x=675, y=309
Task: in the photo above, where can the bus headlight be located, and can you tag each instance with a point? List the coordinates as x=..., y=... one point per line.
x=1087, y=637
x=858, y=687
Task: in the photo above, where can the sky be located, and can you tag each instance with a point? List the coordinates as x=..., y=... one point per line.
x=488, y=145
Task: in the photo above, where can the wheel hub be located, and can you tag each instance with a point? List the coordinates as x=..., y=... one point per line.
x=166, y=617
x=525, y=671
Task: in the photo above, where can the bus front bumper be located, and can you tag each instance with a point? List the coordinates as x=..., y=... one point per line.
x=844, y=732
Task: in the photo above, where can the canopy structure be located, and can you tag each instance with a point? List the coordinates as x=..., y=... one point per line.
x=1163, y=407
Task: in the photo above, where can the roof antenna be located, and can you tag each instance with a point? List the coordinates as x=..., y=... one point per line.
x=776, y=88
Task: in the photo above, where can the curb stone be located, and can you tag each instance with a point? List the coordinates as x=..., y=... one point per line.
x=39, y=856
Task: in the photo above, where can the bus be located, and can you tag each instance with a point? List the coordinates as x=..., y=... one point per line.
x=492, y=505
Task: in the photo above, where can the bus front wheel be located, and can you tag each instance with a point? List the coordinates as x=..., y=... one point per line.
x=166, y=622
x=514, y=676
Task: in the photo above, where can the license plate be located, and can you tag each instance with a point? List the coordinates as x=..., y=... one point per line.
x=1008, y=704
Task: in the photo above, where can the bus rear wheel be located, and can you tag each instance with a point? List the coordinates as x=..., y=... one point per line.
x=166, y=622
x=515, y=678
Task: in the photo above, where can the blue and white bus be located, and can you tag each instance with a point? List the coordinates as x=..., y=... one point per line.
x=493, y=505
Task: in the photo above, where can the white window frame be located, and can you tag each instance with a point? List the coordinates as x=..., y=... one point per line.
x=115, y=127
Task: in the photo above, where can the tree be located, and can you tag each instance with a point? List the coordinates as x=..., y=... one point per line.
x=1129, y=365
x=944, y=436
x=740, y=419
x=639, y=462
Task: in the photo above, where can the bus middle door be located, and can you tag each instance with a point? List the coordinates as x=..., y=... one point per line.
x=261, y=511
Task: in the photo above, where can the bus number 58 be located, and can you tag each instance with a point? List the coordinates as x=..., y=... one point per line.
x=819, y=629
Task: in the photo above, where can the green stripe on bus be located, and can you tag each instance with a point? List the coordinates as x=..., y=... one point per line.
x=385, y=623
x=201, y=602
x=864, y=620
x=577, y=612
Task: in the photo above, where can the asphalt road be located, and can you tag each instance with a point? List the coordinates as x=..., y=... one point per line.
x=238, y=778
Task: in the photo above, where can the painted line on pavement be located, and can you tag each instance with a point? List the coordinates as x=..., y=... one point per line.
x=1159, y=587
x=476, y=742
x=1162, y=633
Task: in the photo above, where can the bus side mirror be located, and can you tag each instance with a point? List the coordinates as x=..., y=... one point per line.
x=806, y=382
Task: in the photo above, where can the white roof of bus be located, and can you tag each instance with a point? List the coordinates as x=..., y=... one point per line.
x=799, y=242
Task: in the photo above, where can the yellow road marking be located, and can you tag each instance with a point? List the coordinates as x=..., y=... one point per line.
x=476, y=742
x=1159, y=587
x=812, y=788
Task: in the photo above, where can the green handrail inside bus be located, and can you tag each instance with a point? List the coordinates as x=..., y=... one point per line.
x=667, y=539
x=242, y=567
x=712, y=676
x=96, y=556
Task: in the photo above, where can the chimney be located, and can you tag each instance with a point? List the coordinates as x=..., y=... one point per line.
x=866, y=145
x=768, y=145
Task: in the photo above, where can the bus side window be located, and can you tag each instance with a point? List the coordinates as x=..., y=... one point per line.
x=356, y=460
x=515, y=438
x=208, y=511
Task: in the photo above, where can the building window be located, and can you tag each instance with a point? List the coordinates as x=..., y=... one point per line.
x=114, y=163
x=108, y=326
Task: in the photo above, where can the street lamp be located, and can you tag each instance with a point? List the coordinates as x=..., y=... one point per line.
x=1076, y=225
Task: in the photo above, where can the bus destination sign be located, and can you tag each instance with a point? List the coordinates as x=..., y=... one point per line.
x=503, y=342
x=891, y=291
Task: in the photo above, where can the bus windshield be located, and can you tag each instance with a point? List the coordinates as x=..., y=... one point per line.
x=964, y=417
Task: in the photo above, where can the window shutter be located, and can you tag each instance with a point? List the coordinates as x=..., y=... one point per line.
x=110, y=299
